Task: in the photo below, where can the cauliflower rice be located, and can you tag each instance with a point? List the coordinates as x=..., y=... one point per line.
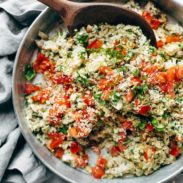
x=107, y=89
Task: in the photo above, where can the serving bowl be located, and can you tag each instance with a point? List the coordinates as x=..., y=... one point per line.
x=46, y=22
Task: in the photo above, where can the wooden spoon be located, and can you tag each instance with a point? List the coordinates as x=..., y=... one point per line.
x=76, y=15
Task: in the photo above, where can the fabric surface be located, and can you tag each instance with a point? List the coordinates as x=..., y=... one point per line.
x=17, y=162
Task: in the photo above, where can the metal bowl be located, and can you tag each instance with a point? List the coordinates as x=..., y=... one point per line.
x=46, y=22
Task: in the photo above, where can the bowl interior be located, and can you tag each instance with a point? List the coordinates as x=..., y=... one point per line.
x=46, y=22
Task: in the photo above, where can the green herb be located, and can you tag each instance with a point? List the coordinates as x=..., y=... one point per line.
x=179, y=100
x=152, y=49
x=158, y=127
x=114, y=53
x=129, y=55
x=83, y=79
x=100, y=122
x=136, y=72
x=83, y=54
x=82, y=38
x=165, y=115
x=63, y=130
x=97, y=96
x=29, y=72
x=123, y=68
x=142, y=125
x=115, y=97
x=140, y=90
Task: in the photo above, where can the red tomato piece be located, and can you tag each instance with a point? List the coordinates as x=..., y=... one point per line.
x=129, y=96
x=123, y=136
x=106, y=94
x=149, y=127
x=160, y=44
x=114, y=151
x=147, y=16
x=160, y=77
x=97, y=172
x=155, y=23
x=171, y=73
x=42, y=64
x=101, y=162
x=136, y=80
x=137, y=102
x=75, y=148
x=173, y=38
x=88, y=99
x=121, y=146
x=179, y=73
x=174, y=151
x=146, y=155
x=127, y=125
x=59, y=152
x=82, y=161
x=105, y=70
x=144, y=109
x=56, y=139
x=30, y=88
x=59, y=78
x=42, y=96
x=96, y=44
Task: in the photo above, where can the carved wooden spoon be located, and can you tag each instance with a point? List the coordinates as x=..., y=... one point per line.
x=76, y=15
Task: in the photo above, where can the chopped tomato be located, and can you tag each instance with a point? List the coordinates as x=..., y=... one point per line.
x=106, y=94
x=88, y=99
x=149, y=127
x=123, y=136
x=137, y=102
x=96, y=44
x=97, y=172
x=73, y=132
x=179, y=73
x=168, y=88
x=101, y=162
x=127, y=125
x=121, y=146
x=103, y=84
x=56, y=139
x=144, y=109
x=150, y=69
x=160, y=44
x=114, y=151
x=30, y=88
x=146, y=155
x=155, y=23
x=147, y=16
x=42, y=96
x=173, y=38
x=75, y=148
x=59, y=152
x=174, y=151
x=82, y=161
x=136, y=80
x=42, y=64
x=160, y=77
x=171, y=74
x=59, y=78
x=129, y=96
x=124, y=52
x=105, y=70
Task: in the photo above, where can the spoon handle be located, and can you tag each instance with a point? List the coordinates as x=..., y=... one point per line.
x=64, y=7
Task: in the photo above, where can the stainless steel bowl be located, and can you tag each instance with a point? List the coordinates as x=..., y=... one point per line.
x=46, y=22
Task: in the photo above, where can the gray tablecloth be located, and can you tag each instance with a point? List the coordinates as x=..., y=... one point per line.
x=17, y=162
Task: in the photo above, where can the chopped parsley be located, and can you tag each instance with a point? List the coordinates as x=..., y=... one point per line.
x=29, y=72
x=83, y=79
x=82, y=38
x=63, y=130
